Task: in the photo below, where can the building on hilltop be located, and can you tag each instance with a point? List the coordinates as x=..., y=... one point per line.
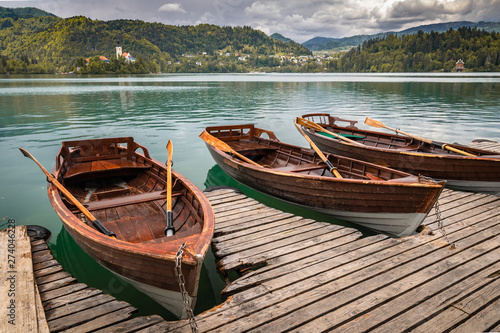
x=119, y=53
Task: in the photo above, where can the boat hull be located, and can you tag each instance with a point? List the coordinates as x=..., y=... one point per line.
x=147, y=263
x=466, y=173
x=390, y=208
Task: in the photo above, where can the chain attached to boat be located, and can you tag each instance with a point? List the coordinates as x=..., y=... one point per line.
x=438, y=214
x=440, y=225
x=182, y=286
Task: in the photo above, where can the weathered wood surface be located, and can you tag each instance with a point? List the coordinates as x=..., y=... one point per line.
x=71, y=306
x=18, y=300
x=305, y=276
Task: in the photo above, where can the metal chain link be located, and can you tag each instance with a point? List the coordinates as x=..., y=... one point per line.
x=182, y=286
x=440, y=224
x=438, y=214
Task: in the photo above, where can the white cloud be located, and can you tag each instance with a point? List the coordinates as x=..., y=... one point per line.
x=263, y=10
x=172, y=8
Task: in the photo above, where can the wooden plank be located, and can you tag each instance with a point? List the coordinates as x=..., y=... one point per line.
x=337, y=308
x=166, y=327
x=44, y=264
x=229, y=208
x=43, y=326
x=132, y=325
x=105, y=320
x=234, y=197
x=40, y=247
x=70, y=298
x=294, y=227
x=52, y=277
x=465, y=315
x=83, y=316
x=335, y=249
x=17, y=285
x=429, y=298
x=261, y=250
x=77, y=306
x=254, y=231
x=48, y=271
x=391, y=257
x=261, y=217
x=48, y=295
x=42, y=258
x=56, y=284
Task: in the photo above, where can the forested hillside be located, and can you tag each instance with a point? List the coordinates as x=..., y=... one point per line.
x=33, y=41
x=49, y=44
x=424, y=52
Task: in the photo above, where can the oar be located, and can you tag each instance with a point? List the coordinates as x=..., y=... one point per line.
x=376, y=123
x=332, y=169
x=219, y=144
x=318, y=128
x=169, y=229
x=97, y=224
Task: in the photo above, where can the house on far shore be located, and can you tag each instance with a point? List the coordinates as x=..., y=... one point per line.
x=128, y=57
x=460, y=66
x=103, y=58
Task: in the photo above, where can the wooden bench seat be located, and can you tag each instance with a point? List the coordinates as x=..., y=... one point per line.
x=102, y=166
x=301, y=167
x=246, y=146
x=128, y=200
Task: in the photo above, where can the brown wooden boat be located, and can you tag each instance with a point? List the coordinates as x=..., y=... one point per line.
x=126, y=191
x=477, y=173
x=377, y=197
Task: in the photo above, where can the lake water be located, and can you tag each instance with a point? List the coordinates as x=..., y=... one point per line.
x=38, y=112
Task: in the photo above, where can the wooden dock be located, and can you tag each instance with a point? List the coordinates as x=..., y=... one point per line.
x=301, y=275
x=62, y=303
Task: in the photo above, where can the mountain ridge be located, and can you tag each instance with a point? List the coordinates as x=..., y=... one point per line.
x=336, y=44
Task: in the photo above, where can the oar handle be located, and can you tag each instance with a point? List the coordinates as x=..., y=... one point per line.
x=102, y=229
x=169, y=229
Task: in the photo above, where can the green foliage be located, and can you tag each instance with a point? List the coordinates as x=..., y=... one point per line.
x=27, y=12
x=424, y=52
x=158, y=47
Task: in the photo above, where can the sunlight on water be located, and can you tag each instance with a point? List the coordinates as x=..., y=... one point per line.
x=39, y=112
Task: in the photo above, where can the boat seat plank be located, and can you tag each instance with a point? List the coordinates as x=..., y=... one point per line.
x=249, y=146
x=102, y=166
x=301, y=167
x=127, y=200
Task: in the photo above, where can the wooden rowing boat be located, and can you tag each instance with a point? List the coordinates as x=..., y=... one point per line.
x=478, y=173
x=127, y=191
x=379, y=198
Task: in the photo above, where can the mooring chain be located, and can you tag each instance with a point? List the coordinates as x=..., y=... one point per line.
x=438, y=215
x=440, y=224
x=182, y=286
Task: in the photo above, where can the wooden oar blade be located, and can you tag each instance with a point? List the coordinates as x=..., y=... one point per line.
x=25, y=153
x=219, y=144
x=213, y=141
x=310, y=124
x=374, y=123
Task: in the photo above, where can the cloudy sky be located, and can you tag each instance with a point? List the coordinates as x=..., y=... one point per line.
x=300, y=20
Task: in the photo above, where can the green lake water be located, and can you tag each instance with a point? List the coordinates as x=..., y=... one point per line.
x=38, y=112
